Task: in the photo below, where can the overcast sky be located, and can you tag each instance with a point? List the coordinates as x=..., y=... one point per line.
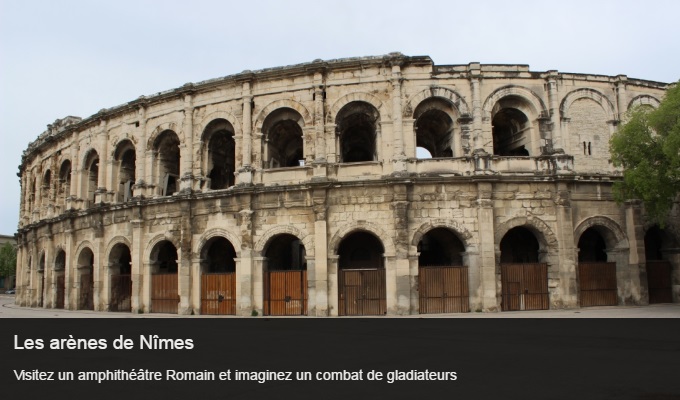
x=60, y=58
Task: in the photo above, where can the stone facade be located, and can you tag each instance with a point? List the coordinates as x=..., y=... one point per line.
x=323, y=152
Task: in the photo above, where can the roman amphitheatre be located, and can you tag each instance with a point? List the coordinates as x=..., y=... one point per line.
x=383, y=185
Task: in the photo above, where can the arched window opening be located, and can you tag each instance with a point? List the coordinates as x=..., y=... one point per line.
x=220, y=256
x=440, y=247
x=592, y=247
x=434, y=127
x=60, y=261
x=166, y=147
x=92, y=182
x=519, y=245
x=125, y=157
x=283, y=139
x=510, y=128
x=64, y=188
x=46, y=186
x=357, y=125
x=31, y=197
x=221, y=155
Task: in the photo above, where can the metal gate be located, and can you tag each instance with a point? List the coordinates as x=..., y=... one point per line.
x=659, y=282
x=285, y=293
x=218, y=294
x=524, y=287
x=86, y=292
x=443, y=289
x=362, y=292
x=164, y=293
x=121, y=293
x=61, y=290
x=597, y=283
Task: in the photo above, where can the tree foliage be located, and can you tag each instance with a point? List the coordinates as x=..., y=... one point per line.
x=648, y=148
x=8, y=260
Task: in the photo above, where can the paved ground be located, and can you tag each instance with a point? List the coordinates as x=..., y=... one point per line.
x=9, y=310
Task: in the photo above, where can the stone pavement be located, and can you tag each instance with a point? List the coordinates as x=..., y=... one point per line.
x=9, y=310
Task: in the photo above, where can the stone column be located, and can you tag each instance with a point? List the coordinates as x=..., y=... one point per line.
x=184, y=265
x=197, y=268
x=564, y=291
x=320, y=282
x=414, y=276
x=50, y=289
x=187, y=148
x=140, y=154
x=333, y=285
x=319, y=127
x=69, y=268
x=487, y=248
x=245, y=172
x=621, y=96
x=475, y=75
x=100, y=192
x=558, y=144
x=399, y=158
x=245, y=266
x=629, y=281
x=401, y=274
x=136, y=270
x=258, y=265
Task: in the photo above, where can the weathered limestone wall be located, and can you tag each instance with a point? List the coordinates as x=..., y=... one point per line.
x=554, y=186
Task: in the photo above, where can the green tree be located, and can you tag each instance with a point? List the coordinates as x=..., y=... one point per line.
x=8, y=260
x=648, y=148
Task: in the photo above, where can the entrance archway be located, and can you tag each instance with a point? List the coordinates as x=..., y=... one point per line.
x=218, y=277
x=285, y=276
x=361, y=280
x=59, y=269
x=164, y=280
x=659, y=270
x=442, y=277
x=524, y=280
x=597, y=277
x=85, y=271
x=120, y=264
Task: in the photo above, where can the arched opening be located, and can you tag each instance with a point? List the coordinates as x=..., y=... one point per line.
x=64, y=188
x=86, y=279
x=164, y=279
x=120, y=267
x=43, y=288
x=285, y=283
x=46, y=186
x=221, y=153
x=511, y=128
x=125, y=157
x=166, y=148
x=442, y=277
x=218, y=277
x=361, y=275
x=659, y=269
x=31, y=197
x=524, y=280
x=92, y=176
x=283, y=139
x=357, y=128
x=596, y=276
x=59, y=276
x=434, y=127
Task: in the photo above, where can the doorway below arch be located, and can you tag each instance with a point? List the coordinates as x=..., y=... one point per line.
x=285, y=277
x=597, y=277
x=218, y=278
x=524, y=280
x=361, y=280
x=442, y=277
